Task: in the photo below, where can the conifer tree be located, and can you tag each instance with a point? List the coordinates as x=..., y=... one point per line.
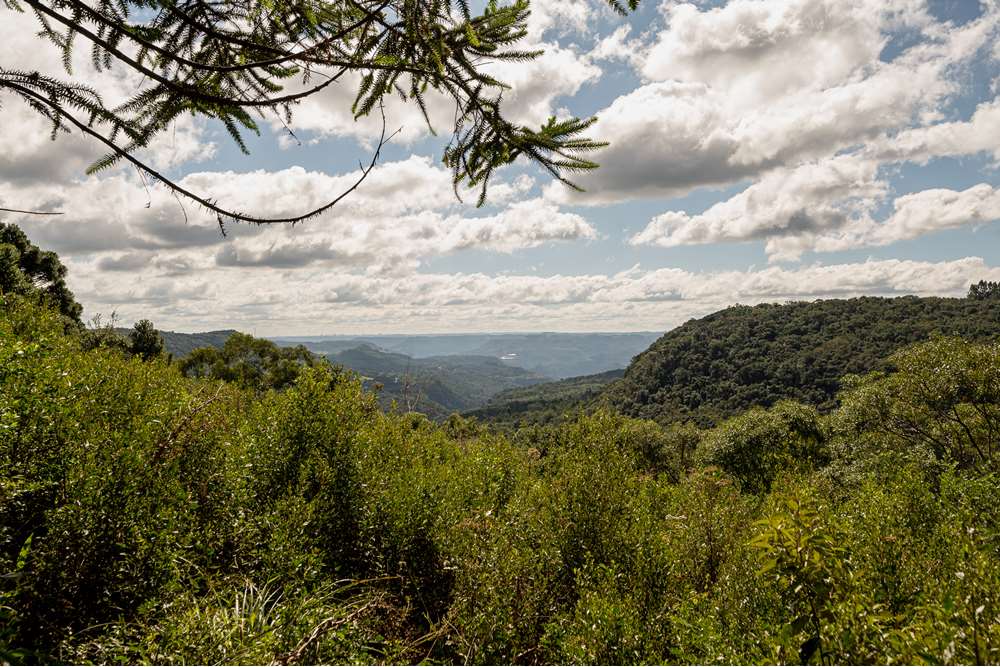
x=985, y=289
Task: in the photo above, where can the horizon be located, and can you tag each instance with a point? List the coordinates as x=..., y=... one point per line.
x=580, y=332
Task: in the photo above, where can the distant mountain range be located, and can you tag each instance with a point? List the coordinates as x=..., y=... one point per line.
x=436, y=386
x=553, y=355
x=442, y=374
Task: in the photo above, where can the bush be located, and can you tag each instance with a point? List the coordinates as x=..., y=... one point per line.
x=941, y=401
x=757, y=445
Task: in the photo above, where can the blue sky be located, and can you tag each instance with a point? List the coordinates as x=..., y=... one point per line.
x=760, y=151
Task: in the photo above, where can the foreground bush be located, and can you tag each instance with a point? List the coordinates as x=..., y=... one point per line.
x=146, y=516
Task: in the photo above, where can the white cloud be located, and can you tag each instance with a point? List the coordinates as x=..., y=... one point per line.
x=927, y=211
x=981, y=133
x=826, y=206
x=617, y=46
x=913, y=215
x=797, y=202
x=330, y=300
x=745, y=47
x=565, y=16
x=726, y=110
x=404, y=213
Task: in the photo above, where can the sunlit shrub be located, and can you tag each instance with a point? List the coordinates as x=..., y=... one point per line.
x=757, y=445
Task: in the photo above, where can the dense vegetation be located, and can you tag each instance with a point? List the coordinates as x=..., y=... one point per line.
x=728, y=362
x=146, y=516
x=26, y=269
x=252, y=363
x=545, y=403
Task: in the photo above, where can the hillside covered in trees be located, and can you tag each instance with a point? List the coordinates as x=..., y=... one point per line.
x=744, y=356
x=544, y=403
x=182, y=344
x=718, y=366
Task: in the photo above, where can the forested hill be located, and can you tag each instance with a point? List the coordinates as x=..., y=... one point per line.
x=543, y=403
x=744, y=356
x=182, y=344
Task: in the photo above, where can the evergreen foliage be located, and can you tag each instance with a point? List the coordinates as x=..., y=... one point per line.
x=26, y=269
x=985, y=289
x=238, y=62
x=145, y=341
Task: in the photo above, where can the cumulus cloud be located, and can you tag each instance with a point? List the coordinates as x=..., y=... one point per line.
x=400, y=243
x=932, y=210
x=802, y=201
x=746, y=46
x=824, y=206
x=979, y=134
x=405, y=213
x=717, y=108
x=565, y=16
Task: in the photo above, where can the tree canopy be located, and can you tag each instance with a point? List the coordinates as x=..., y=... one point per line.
x=985, y=289
x=251, y=362
x=723, y=364
x=236, y=62
x=27, y=269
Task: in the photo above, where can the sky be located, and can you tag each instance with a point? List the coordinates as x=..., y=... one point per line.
x=760, y=151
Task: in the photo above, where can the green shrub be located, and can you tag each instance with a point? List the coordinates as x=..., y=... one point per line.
x=941, y=401
x=757, y=445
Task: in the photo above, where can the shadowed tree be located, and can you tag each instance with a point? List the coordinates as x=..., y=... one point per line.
x=985, y=289
x=145, y=341
x=26, y=269
x=251, y=362
x=241, y=61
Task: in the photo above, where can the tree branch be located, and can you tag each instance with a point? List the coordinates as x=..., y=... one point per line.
x=222, y=213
